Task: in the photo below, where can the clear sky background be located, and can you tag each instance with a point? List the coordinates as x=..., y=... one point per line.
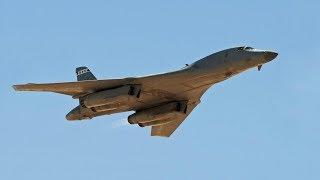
x=258, y=125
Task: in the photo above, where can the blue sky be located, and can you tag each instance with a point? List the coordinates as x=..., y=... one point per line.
x=258, y=125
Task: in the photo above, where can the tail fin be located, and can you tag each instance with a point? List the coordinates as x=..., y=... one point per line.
x=83, y=74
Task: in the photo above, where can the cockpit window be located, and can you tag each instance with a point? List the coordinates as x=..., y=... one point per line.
x=244, y=48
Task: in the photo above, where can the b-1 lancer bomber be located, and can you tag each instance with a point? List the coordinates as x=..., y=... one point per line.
x=161, y=101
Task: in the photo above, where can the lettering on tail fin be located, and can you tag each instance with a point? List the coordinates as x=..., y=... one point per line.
x=84, y=74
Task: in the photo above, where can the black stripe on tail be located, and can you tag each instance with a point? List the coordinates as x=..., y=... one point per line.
x=84, y=74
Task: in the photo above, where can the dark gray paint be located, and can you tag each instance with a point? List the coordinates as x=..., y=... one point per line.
x=185, y=85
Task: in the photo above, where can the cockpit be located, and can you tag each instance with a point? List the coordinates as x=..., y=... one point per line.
x=244, y=48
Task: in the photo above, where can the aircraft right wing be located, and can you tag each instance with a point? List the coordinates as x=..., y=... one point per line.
x=167, y=129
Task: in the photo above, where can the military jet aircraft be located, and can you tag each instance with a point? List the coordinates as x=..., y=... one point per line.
x=162, y=101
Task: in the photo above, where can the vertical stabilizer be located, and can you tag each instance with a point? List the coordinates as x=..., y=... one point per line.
x=84, y=74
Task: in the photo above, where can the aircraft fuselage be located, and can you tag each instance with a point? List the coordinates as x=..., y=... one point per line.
x=195, y=79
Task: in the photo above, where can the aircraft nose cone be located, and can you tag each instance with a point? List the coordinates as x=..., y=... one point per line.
x=269, y=55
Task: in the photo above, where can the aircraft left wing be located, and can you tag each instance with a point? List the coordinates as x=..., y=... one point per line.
x=167, y=129
x=168, y=85
x=73, y=88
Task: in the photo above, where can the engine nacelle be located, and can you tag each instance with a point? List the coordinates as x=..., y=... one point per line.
x=111, y=97
x=159, y=122
x=158, y=115
x=76, y=114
